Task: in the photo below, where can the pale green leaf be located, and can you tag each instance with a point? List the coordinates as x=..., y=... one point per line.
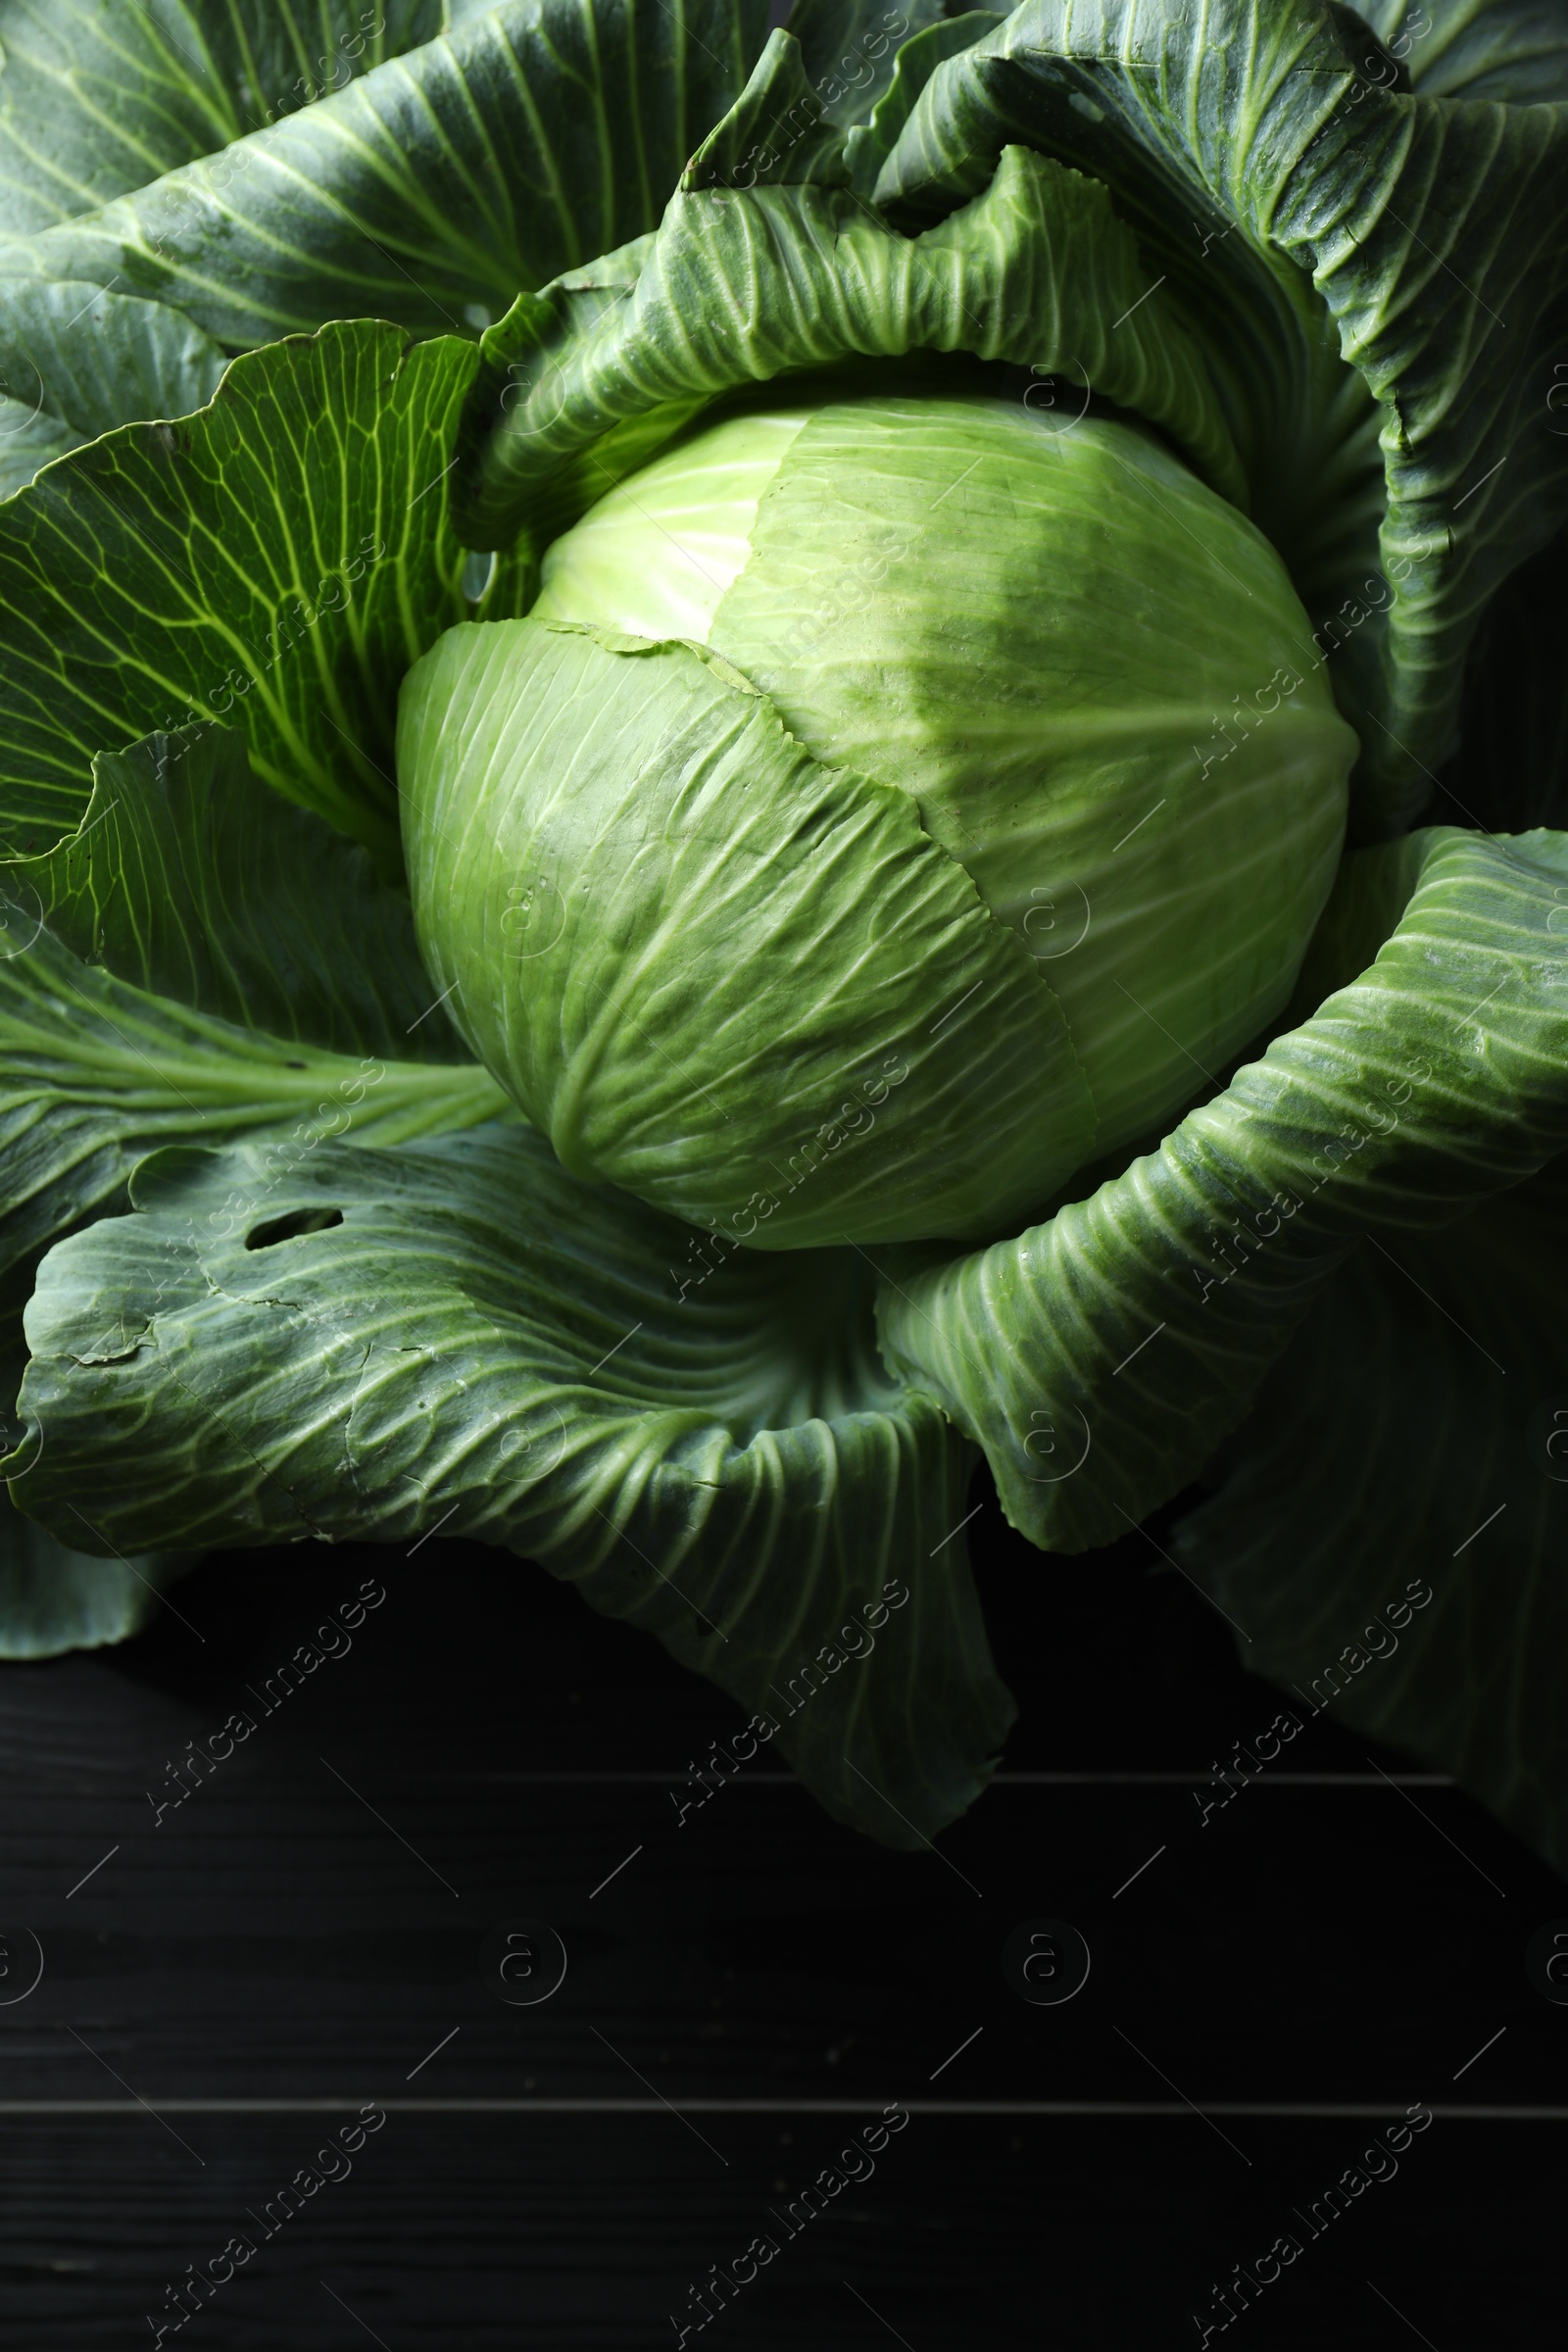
x=747, y=987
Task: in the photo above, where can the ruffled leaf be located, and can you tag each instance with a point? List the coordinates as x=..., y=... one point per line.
x=460, y=1335
x=868, y=146
x=275, y=561
x=778, y=129
x=191, y=880
x=740, y=287
x=1404, y=1565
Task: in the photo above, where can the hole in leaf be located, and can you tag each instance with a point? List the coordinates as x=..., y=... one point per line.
x=292, y=1228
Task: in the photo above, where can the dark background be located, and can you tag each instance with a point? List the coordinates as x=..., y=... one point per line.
x=235, y=1982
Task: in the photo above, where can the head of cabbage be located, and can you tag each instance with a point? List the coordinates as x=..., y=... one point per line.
x=896, y=801
x=845, y=797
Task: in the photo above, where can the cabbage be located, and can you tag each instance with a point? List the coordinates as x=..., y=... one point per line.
x=729, y=779
x=1089, y=674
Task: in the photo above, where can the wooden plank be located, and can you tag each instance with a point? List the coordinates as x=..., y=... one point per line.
x=302, y=1933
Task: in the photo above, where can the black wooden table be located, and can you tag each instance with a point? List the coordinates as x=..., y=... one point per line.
x=270, y=2032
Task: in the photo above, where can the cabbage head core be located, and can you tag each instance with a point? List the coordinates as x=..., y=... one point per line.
x=892, y=804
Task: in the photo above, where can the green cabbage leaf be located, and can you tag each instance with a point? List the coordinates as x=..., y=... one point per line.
x=308, y=377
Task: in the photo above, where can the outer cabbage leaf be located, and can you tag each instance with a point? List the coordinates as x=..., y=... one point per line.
x=271, y=167
x=147, y=992
x=29, y=438
x=534, y=135
x=96, y=1072
x=1449, y=1474
x=55, y=1597
x=101, y=96
x=849, y=49
x=191, y=879
x=867, y=147
x=279, y=558
x=739, y=286
x=461, y=1336
x=76, y=360
x=1513, y=50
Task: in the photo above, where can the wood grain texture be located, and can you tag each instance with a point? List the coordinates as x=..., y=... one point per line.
x=302, y=1935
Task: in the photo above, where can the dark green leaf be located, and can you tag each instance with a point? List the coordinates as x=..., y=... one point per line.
x=192, y=880
x=538, y=134
x=1447, y=1479
x=1515, y=51
x=53, y=1595
x=29, y=437
x=868, y=147
x=461, y=1336
x=81, y=361
x=778, y=129
x=96, y=1072
x=848, y=49
x=275, y=561
x=101, y=96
